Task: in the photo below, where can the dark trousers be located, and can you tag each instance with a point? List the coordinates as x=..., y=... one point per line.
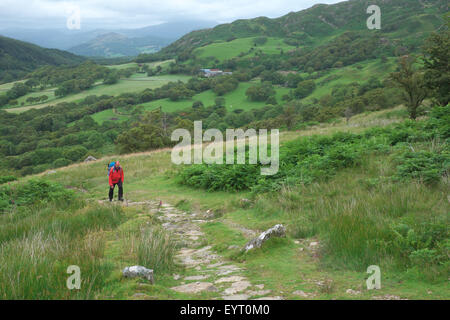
x=111, y=191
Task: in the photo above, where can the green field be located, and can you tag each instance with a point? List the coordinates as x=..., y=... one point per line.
x=6, y=86
x=136, y=83
x=359, y=72
x=233, y=100
x=237, y=99
x=227, y=50
x=106, y=115
x=134, y=64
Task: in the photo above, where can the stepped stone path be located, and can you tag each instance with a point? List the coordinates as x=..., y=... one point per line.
x=208, y=271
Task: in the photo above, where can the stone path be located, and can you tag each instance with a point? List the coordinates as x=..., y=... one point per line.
x=208, y=271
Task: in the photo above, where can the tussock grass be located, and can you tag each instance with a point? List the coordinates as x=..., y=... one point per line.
x=151, y=247
x=39, y=243
x=357, y=217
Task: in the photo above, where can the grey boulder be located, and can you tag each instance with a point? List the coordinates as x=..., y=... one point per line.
x=277, y=231
x=90, y=158
x=138, y=271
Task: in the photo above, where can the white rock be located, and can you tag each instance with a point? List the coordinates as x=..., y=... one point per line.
x=353, y=292
x=230, y=279
x=237, y=287
x=90, y=158
x=138, y=271
x=277, y=231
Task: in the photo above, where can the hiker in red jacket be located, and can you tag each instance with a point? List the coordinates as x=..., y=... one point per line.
x=116, y=178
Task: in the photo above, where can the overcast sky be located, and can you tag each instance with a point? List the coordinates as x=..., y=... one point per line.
x=139, y=13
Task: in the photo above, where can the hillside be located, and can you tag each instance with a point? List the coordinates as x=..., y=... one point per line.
x=117, y=45
x=402, y=20
x=362, y=161
x=337, y=226
x=18, y=58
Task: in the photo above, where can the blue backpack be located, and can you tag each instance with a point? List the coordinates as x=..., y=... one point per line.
x=112, y=164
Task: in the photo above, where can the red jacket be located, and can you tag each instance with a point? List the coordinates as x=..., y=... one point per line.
x=115, y=175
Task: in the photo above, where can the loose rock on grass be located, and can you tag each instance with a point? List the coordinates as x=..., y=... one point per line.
x=277, y=231
x=138, y=271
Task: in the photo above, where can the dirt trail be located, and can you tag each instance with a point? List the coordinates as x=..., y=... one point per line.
x=208, y=271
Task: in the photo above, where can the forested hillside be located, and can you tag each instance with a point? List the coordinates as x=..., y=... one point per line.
x=405, y=23
x=18, y=58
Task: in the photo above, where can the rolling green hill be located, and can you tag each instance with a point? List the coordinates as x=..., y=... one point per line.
x=402, y=20
x=221, y=51
x=18, y=58
x=118, y=45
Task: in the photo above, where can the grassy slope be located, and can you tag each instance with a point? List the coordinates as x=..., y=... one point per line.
x=134, y=64
x=237, y=99
x=359, y=72
x=282, y=265
x=234, y=100
x=136, y=83
x=227, y=50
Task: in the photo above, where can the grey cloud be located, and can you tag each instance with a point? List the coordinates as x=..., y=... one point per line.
x=140, y=13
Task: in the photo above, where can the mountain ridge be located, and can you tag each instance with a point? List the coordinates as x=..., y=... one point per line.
x=319, y=21
x=17, y=58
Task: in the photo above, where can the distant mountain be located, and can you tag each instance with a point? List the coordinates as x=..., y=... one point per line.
x=17, y=58
x=62, y=39
x=116, y=45
x=402, y=20
x=104, y=43
x=170, y=30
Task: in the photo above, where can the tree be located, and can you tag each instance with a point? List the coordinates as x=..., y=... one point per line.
x=289, y=116
x=220, y=101
x=148, y=133
x=437, y=64
x=411, y=81
x=260, y=92
x=348, y=113
x=112, y=78
x=75, y=153
x=197, y=105
x=304, y=89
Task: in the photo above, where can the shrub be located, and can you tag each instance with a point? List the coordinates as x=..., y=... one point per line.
x=34, y=192
x=4, y=179
x=426, y=166
x=61, y=162
x=75, y=153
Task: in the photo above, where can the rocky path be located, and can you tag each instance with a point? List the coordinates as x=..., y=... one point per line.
x=207, y=271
